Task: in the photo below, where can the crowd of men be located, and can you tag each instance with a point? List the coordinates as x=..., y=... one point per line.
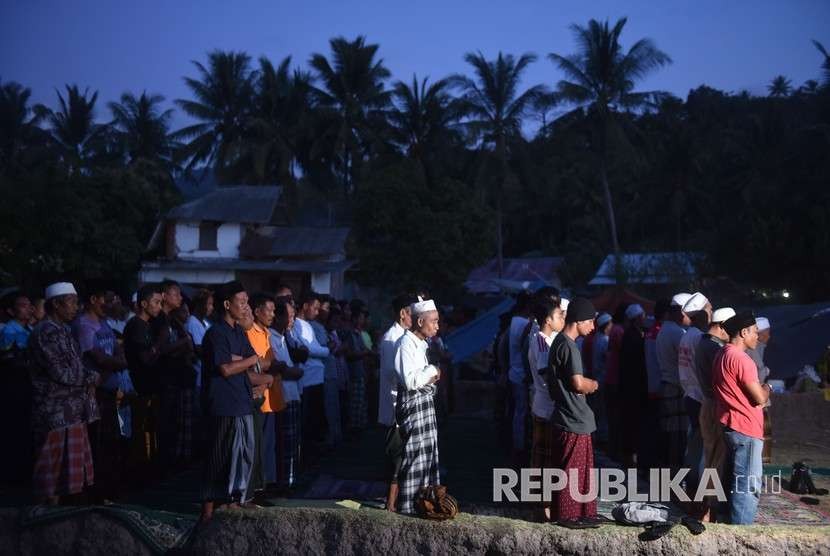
x=685, y=391
x=257, y=387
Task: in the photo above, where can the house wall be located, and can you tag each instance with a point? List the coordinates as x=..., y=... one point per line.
x=186, y=276
x=321, y=282
x=228, y=238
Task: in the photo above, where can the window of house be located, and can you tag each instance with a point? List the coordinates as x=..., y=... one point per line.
x=207, y=236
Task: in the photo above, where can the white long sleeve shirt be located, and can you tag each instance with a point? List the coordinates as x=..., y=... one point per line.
x=388, y=387
x=411, y=364
x=314, y=368
x=687, y=366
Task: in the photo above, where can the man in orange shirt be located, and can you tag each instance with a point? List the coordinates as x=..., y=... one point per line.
x=259, y=335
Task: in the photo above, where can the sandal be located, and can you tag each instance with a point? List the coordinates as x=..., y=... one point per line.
x=694, y=526
x=656, y=530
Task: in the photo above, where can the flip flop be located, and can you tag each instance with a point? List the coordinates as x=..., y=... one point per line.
x=656, y=530
x=576, y=524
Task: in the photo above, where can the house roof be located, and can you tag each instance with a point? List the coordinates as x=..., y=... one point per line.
x=531, y=272
x=245, y=204
x=284, y=241
x=248, y=265
x=648, y=268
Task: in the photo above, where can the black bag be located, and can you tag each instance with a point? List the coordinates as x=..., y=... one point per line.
x=801, y=482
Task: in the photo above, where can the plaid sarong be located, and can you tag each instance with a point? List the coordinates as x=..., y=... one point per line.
x=64, y=462
x=230, y=458
x=288, y=444
x=184, y=425
x=415, y=414
x=542, y=448
x=674, y=424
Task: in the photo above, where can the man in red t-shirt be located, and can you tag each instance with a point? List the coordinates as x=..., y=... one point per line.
x=740, y=399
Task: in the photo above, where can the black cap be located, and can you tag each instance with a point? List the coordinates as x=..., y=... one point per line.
x=734, y=325
x=580, y=309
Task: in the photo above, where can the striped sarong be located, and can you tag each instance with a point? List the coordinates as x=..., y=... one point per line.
x=63, y=463
x=358, y=412
x=184, y=426
x=288, y=444
x=542, y=448
x=415, y=414
x=230, y=458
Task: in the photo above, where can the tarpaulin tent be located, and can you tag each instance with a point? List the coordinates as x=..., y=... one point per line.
x=610, y=299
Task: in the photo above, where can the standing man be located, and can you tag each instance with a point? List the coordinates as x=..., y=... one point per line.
x=314, y=418
x=757, y=355
x=63, y=401
x=518, y=375
x=599, y=352
x=415, y=408
x=288, y=420
x=740, y=401
x=711, y=431
x=102, y=353
x=633, y=384
x=572, y=418
x=142, y=358
x=226, y=357
x=388, y=390
x=673, y=420
x=699, y=311
x=551, y=319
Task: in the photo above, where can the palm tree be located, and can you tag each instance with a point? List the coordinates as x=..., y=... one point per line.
x=496, y=109
x=280, y=117
x=353, y=97
x=425, y=118
x=780, y=87
x=825, y=65
x=602, y=77
x=223, y=95
x=73, y=126
x=143, y=128
x=810, y=87
x=18, y=124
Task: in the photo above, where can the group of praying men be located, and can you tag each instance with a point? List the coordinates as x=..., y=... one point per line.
x=688, y=392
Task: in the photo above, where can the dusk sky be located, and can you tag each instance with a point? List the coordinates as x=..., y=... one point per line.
x=132, y=46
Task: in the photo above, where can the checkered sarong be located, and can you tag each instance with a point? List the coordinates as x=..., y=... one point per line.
x=542, y=447
x=64, y=462
x=288, y=444
x=674, y=423
x=418, y=428
x=184, y=425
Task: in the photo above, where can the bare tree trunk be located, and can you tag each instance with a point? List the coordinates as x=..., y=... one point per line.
x=502, y=157
x=499, y=240
x=609, y=206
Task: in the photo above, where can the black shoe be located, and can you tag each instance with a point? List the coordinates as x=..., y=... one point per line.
x=694, y=526
x=656, y=530
x=576, y=524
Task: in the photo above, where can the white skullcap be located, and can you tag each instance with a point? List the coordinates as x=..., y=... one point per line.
x=723, y=314
x=563, y=304
x=680, y=299
x=695, y=303
x=134, y=298
x=422, y=306
x=763, y=323
x=603, y=319
x=60, y=288
x=633, y=311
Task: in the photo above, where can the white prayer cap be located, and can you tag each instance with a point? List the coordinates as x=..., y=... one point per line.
x=422, y=306
x=60, y=288
x=680, y=299
x=763, y=323
x=563, y=304
x=633, y=311
x=134, y=298
x=603, y=319
x=695, y=303
x=723, y=314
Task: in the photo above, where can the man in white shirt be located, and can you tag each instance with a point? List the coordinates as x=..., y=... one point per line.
x=673, y=420
x=288, y=420
x=415, y=408
x=550, y=319
x=699, y=311
x=313, y=410
x=388, y=390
